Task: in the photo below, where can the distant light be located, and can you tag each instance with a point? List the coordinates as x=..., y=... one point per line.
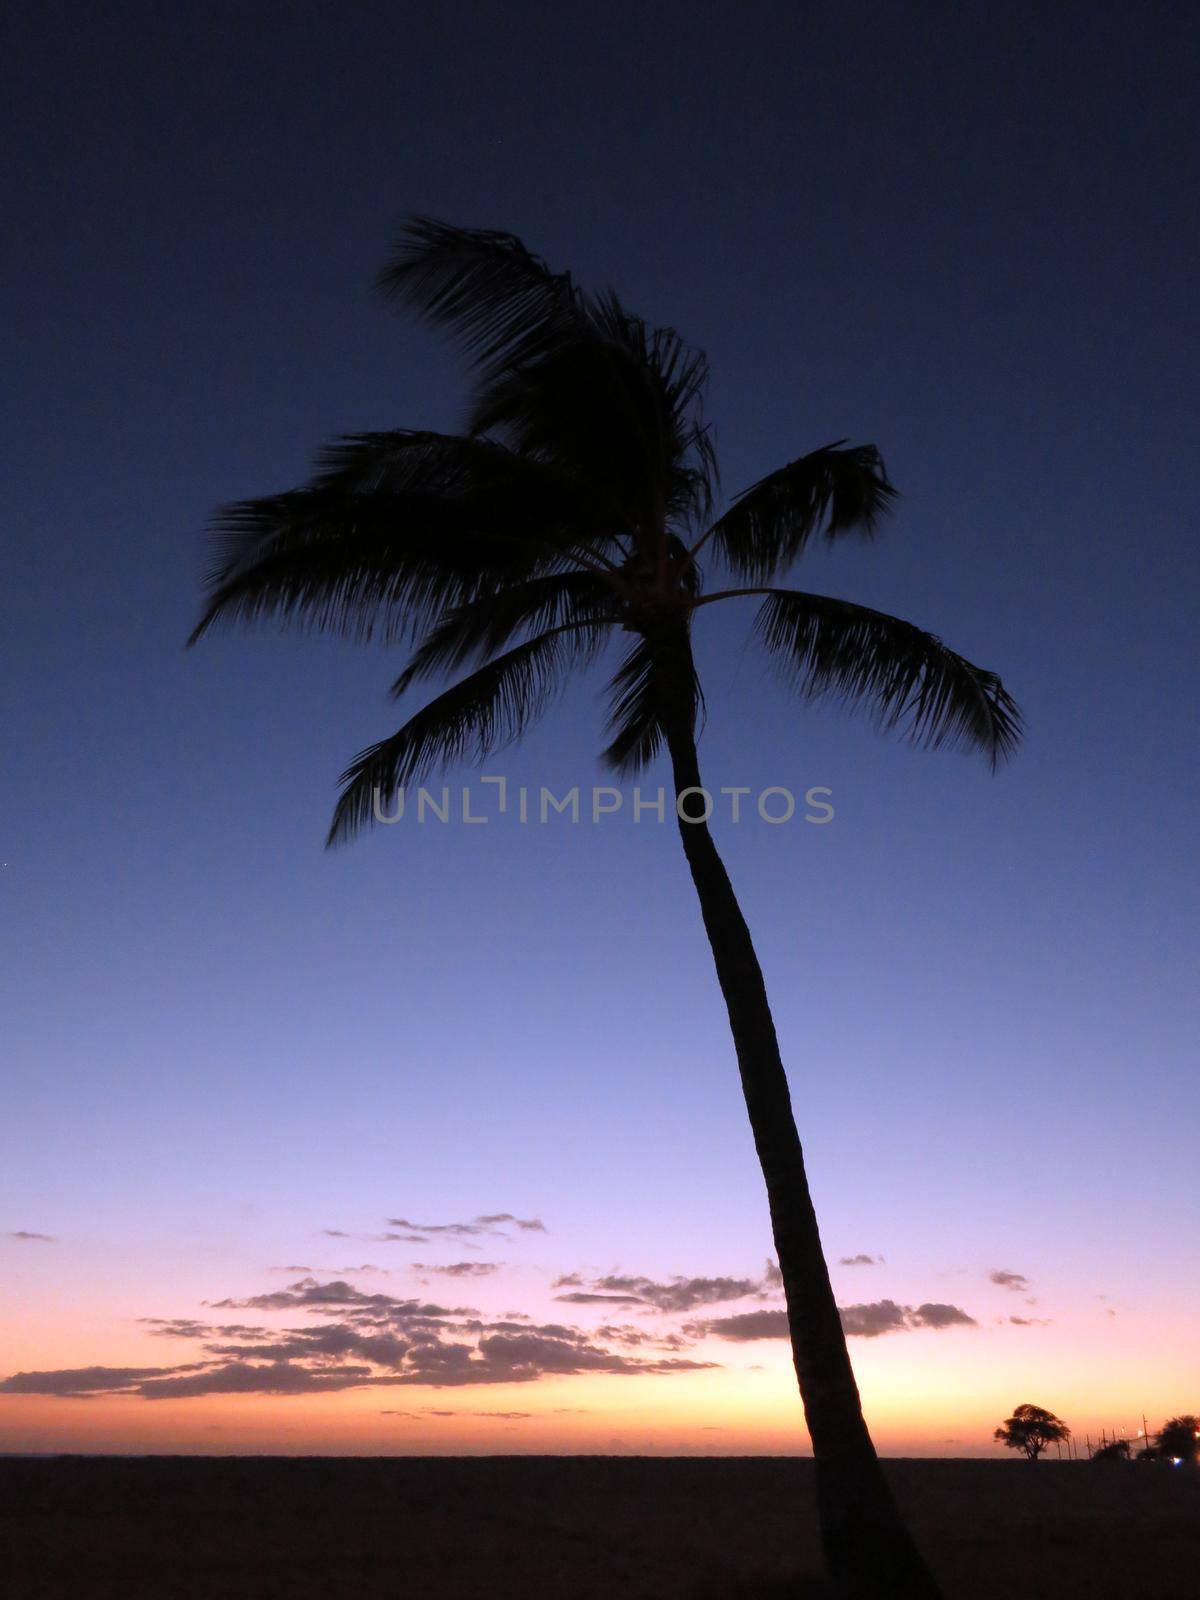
x=1176, y=1461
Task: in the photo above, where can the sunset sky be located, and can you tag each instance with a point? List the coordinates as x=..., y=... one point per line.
x=435, y=1144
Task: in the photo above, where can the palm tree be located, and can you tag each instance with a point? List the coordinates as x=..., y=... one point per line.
x=574, y=508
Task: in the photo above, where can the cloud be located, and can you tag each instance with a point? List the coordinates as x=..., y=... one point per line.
x=374, y=1238
x=1030, y=1322
x=493, y=1225
x=525, y=1224
x=860, y=1260
x=934, y=1315
x=311, y=1295
x=1016, y=1281
x=430, y=1411
x=28, y=1237
x=742, y=1327
x=351, y=1339
x=859, y=1321
x=675, y=1295
x=243, y=1377
x=79, y=1382
x=629, y=1337
x=189, y=1328
x=772, y=1277
x=871, y=1320
x=584, y=1298
x=333, y=1341
x=461, y=1269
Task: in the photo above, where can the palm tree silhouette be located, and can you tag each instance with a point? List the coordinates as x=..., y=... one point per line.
x=575, y=507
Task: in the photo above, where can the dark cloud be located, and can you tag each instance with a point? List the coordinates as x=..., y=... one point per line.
x=308, y=1294
x=772, y=1277
x=28, y=1237
x=354, y=1339
x=189, y=1328
x=629, y=1337
x=675, y=1295
x=934, y=1315
x=872, y=1320
x=333, y=1341
x=744, y=1326
x=582, y=1297
x=1030, y=1322
x=860, y=1260
x=860, y=1321
x=78, y=1382
x=177, y=1327
x=243, y=1377
x=1016, y=1281
x=523, y=1357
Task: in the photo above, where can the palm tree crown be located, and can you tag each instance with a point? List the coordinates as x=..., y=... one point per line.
x=577, y=503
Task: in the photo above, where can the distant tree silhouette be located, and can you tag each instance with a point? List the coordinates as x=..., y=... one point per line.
x=574, y=510
x=1114, y=1450
x=1178, y=1439
x=1030, y=1429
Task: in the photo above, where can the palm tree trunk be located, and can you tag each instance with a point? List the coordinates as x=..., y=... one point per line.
x=868, y=1548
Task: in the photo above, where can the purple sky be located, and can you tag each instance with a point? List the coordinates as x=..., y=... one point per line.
x=961, y=234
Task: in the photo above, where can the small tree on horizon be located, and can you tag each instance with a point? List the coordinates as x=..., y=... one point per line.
x=1030, y=1429
x=1114, y=1450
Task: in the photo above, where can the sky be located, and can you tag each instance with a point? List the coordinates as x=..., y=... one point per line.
x=435, y=1143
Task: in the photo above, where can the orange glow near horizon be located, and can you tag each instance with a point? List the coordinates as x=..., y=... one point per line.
x=936, y=1395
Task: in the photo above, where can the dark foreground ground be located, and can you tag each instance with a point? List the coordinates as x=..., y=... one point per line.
x=577, y=1528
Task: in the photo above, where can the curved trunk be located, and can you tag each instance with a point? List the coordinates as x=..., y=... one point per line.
x=868, y=1548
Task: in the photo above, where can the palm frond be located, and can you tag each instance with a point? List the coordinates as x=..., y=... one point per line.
x=502, y=302
x=638, y=699
x=473, y=718
x=633, y=717
x=485, y=625
x=615, y=405
x=910, y=680
x=827, y=493
x=394, y=527
x=577, y=410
